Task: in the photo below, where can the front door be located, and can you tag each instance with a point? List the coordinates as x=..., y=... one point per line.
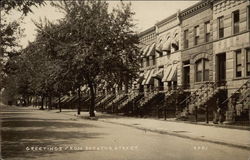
x=221, y=67
x=186, y=77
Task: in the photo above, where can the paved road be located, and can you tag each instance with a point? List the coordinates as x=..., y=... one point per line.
x=34, y=134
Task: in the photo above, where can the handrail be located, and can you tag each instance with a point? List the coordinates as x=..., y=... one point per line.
x=191, y=95
x=244, y=98
x=233, y=94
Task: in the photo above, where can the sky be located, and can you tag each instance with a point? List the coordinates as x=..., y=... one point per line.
x=147, y=13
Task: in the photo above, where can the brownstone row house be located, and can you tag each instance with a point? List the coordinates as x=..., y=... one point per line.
x=205, y=50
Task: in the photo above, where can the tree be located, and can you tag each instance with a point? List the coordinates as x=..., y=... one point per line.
x=10, y=32
x=104, y=43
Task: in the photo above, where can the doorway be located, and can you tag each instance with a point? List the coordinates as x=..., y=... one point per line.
x=186, y=75
x=221, y=68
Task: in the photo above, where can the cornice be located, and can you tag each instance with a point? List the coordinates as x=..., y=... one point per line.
x=147, y=31
x=198, y=7
x=167, y=20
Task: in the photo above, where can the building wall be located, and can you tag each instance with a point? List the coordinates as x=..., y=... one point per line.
x=231, y=42
x=170, y=27
x=199, y=14
x=191, y=18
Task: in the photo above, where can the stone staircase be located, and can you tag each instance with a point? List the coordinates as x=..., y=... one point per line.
x=129, y=105
x=168, y=107
x=147, y=104
x=239, y=103
x=104, y=102
x=112, y=106
x=197, y=101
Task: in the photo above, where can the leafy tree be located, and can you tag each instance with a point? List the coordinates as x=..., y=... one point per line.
x=100, y=44
x=10, y=32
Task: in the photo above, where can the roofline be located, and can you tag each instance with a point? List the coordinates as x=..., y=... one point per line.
x=146, y=31
x=167, y=19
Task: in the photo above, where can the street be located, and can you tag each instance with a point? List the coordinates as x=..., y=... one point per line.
x=28, y=133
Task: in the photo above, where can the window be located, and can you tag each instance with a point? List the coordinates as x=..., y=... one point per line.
x=196, y=35
x=202, y=70
x=207, y=31
x=248, y=61
x=221, y=27
x=236, y=22
x=238, y=64
x=199, y=71
x=147, y=61
x=206, y=70
x=186, y=39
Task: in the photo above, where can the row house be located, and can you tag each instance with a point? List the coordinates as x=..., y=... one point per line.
x=231, y=53
x=148, y=60
x=205, y=49
x=196, y=54
x=168, y=57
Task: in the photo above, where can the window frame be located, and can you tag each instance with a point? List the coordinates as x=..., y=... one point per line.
x=196, y=35
x=235, y=24
x=221, y=18
x=198, y=77
x=203, y=71
x=207, y=33
x=186, y=43
x=238, y=75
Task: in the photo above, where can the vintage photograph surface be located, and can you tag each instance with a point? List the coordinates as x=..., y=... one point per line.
x=124, y=80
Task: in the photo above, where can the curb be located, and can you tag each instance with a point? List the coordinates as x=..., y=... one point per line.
x=212, y=125
x=174, y=134
x=180, y=135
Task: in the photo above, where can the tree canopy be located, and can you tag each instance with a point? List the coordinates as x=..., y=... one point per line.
x=90, y=44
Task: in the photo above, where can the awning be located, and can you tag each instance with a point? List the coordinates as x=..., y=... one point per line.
x=150, y=78
x=166, y=73
x=175, y=42
x=158, y=74
x=145, y=51
x=173, y=74
x=151, y=50
x=146, y=77
x=166, y=45
x=158, y=46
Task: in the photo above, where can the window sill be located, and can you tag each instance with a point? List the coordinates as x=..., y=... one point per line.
x=241, y=78
x=202, y=82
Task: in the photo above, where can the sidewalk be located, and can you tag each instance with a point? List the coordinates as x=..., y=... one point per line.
x=226, y=136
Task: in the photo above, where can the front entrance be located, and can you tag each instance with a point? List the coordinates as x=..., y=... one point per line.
x=221, y=68
x=186, y=75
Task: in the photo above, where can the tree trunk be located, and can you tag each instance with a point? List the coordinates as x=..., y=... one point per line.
x=46, y=102
x=50, y=102
x=42, y=108
x=79, y=101
x=92, y=100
